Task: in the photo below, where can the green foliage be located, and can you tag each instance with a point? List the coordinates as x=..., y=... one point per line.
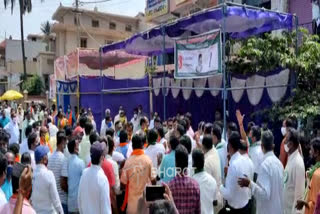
x=33, y=85
x=270, y=52
x=46, y=28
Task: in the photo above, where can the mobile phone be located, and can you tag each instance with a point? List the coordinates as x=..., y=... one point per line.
x=154, y=193
x=17, y=169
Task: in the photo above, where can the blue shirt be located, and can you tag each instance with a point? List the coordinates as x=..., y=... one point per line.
x=168, y=167
x=123, y=150
x=4, y=121
x=75, y=168
x=7, y=189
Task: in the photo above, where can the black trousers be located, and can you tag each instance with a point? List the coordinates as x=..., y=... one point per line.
x=229, y=210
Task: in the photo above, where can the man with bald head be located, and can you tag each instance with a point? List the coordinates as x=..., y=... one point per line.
x=7, y=186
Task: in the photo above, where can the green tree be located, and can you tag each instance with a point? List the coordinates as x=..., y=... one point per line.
x=269, y=52
x=34, y=85
x=25, y=6
x=46, y=28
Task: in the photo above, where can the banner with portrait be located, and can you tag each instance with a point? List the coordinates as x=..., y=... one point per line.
x=198, y=57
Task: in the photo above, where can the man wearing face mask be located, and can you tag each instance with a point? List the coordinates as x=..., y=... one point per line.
x=45, y=198
x=117, y=117
x=4, y=119
x=7, y=186
x=69, y=116
x=13, y=129
x=135, y=121
x=105, y=124
x=287, y=123
x=151, y=125
x=294, y=173
x=27, y=122
x=268, y=190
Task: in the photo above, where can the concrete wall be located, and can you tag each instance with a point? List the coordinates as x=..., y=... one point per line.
x=32, y=49
x=45, y=63
x=303, y=9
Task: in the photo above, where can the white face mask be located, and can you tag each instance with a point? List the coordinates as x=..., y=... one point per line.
x=286, y=148
x=135, y=116
x=283, y=131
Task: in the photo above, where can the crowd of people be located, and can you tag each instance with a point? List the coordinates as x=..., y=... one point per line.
x=53, y=161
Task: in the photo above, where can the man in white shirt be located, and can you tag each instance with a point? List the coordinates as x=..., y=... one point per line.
x=53, y=130
x=135, y=121
x=155, y=150
x=27, y=122
x=3, y=173
x=7, y=111
x=237, y=197
x=154, y=116
x=212, y=165
x=60, y=173
x=207, y=184
x=294, y=174
x=94, y=191
x=13, y=129
x=110, y=145
x=24, y=145
x=255, y=151
x=105, y=124
x=220, y=145
x=45, y=198
x=268, y=190
x=186, y=142
x=33, y=142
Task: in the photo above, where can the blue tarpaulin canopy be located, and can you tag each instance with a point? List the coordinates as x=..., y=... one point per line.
x=241, y=22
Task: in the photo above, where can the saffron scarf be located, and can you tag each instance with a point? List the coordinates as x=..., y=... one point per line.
x=125, y=201
x=123, y=144
x=69, y=116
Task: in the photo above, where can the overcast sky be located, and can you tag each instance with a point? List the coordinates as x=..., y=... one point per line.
x=41, y=12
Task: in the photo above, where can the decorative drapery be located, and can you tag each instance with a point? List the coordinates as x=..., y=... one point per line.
x=237, y=94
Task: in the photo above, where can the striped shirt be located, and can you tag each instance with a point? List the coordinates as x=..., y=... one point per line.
x=55, y=164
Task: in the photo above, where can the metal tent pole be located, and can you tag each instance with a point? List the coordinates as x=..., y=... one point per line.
x=164, y=72
x=101, y=82
x=225, y=92
x=296, y=25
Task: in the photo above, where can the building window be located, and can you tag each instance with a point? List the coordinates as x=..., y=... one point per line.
x=75, y=21
x=112, y=26
x=34, y=59
x=128, y=28
x=50, y=61
x=95, y=23
x=83, y=42
x=108, y=42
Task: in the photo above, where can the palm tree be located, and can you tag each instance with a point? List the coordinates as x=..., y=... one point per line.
x=46, y=28
x=25, y=7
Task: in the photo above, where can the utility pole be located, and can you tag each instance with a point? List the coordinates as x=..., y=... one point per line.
x=78, y=23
